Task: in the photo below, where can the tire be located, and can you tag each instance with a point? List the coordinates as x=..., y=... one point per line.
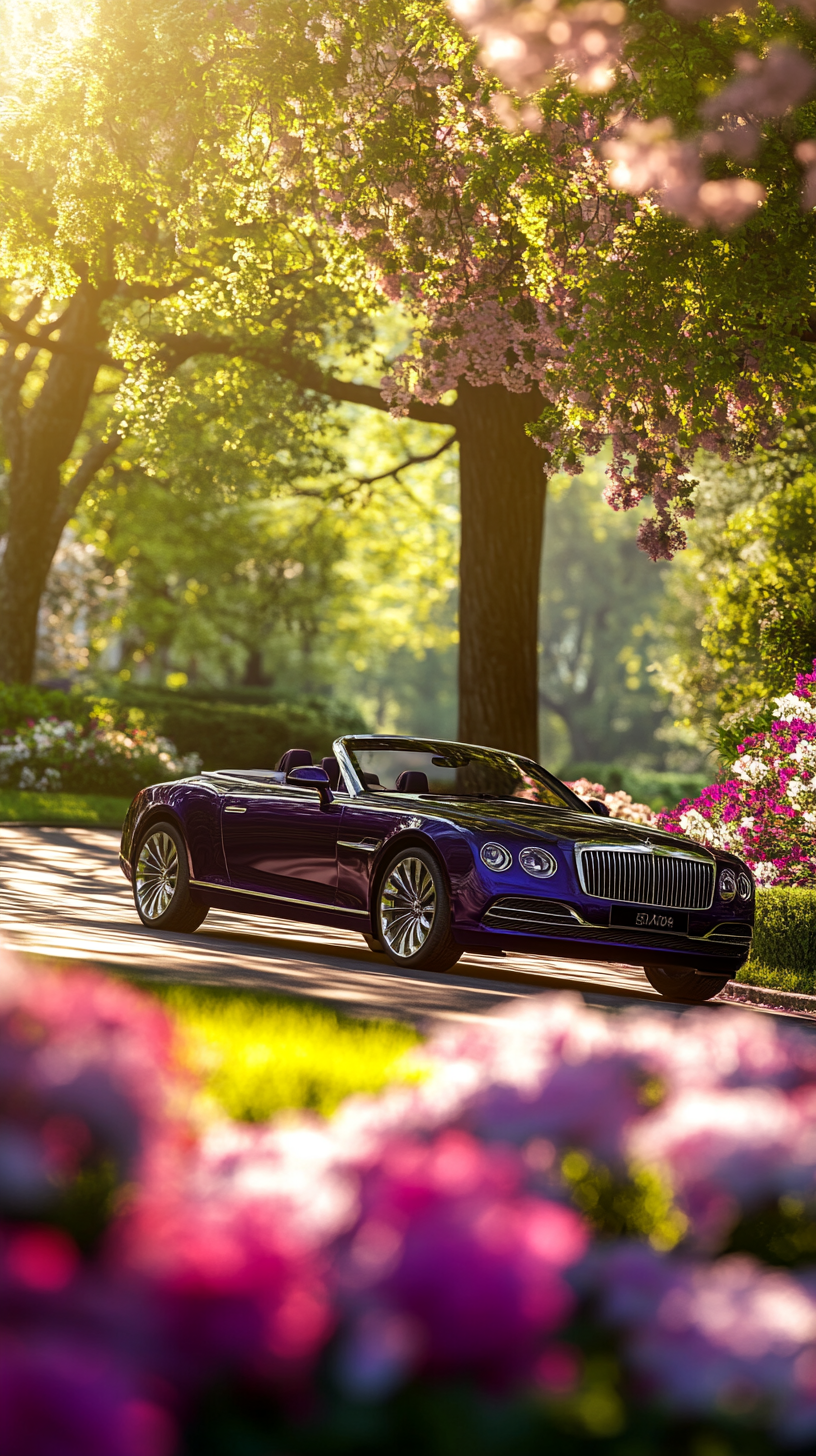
x=413, y=917
x=161, y=881
x=685, y=985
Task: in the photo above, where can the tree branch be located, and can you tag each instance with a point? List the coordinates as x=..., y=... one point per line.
x=15, y=334
x=363, y=480
x=177, y=348
x=72, y=492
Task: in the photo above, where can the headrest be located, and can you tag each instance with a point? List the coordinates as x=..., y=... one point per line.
x=295, y=758
x=370, y=779
x=332, y=768
x=412, y=781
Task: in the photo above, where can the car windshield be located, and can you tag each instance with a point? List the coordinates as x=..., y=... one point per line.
x=421, y=766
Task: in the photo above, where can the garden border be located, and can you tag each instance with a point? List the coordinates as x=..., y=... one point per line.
x=743, y=993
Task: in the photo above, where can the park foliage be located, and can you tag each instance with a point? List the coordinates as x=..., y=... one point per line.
x=586, y=1231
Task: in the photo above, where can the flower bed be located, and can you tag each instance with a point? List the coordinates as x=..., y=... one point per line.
x=766, y=810
x=619, y=803
x=581, y=1231
x=51, y=755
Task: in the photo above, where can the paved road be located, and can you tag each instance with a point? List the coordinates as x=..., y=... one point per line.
x=63, y=898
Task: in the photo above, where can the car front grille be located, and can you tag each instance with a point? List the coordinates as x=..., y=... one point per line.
x=671, y=881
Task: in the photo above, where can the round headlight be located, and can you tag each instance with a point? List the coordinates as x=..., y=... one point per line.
x=537, y=862
x=496, y=857
x=745, y=888
x=728, y=885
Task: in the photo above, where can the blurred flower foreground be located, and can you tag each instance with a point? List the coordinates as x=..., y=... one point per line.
x=579, y=1231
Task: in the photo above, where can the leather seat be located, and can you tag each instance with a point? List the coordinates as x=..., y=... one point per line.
x=332, y=768
x=294, y=758
x=412, y=781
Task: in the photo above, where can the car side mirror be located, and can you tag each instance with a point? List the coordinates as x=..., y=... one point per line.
x=312, y=776
x=596, y=805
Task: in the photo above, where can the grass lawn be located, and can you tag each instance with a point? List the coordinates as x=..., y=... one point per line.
x=97, y=810
x=259, y=1054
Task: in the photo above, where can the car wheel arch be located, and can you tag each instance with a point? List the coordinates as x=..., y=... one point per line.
x=155, y=815
x=407, y=840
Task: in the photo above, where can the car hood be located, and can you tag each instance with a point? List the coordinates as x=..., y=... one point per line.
x=521, y=817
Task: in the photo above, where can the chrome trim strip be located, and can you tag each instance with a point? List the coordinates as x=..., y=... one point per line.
x=287, y=899
x=355, y=844
x=340, y=752
x=234, y=809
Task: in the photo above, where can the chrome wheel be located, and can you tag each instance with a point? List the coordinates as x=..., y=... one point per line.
x=157, y=873
x=407, y=906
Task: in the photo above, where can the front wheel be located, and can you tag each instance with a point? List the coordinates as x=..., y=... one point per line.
x=413, y=916
x=685, y=985
x=161, y=884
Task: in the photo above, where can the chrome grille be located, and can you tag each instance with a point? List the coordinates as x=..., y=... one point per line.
x=671, y=881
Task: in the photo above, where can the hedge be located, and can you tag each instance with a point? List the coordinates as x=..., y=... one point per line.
x=225, y=734
x=241, y=734
x=784, y=950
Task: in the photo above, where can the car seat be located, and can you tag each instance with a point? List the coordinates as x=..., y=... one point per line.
x=412, y=781
x=294, y=758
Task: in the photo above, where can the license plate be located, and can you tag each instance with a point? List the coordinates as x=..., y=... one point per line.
x=673, y=921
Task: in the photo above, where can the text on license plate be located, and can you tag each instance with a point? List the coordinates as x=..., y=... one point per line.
x=666, y=920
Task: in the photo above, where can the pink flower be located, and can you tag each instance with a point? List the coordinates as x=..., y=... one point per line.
x=452, y=1268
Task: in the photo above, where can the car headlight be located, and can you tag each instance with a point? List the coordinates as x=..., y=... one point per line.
x=537, y=862
x=745, y=888
x=496, y=857
x=728, y=885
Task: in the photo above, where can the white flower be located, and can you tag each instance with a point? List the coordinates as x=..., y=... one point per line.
x=752, y=770
x=794, y=789
x=747, y=823
x=765, y=873
x=792, y=706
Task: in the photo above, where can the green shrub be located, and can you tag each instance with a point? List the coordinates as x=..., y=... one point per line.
x=21, y=704
x=784, y=950
x=242, y=734
x=657, y=788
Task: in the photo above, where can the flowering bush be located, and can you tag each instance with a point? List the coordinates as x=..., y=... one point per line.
x=766, y=811
x=93, y=756
x=619, y=803
x=579, y=1227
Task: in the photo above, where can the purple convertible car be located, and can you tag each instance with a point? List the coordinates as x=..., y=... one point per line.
x=430, y=849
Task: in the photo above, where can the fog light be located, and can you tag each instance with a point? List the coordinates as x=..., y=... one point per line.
x=496, y=857
x=537, y=862
x=745, y=888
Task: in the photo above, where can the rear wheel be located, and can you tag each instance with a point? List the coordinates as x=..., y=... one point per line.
x=685, y=985
x=413, y=916
x=161, y=883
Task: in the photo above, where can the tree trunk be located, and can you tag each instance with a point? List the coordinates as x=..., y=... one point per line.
x=503, y=490
x=39, y=440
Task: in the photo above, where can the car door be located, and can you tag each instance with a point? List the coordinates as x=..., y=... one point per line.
x=280, y=843
x=366, y=824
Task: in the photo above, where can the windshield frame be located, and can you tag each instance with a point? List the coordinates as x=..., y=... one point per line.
x=344, y=747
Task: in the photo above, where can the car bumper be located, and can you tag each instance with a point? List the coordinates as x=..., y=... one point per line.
x=553, y=928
